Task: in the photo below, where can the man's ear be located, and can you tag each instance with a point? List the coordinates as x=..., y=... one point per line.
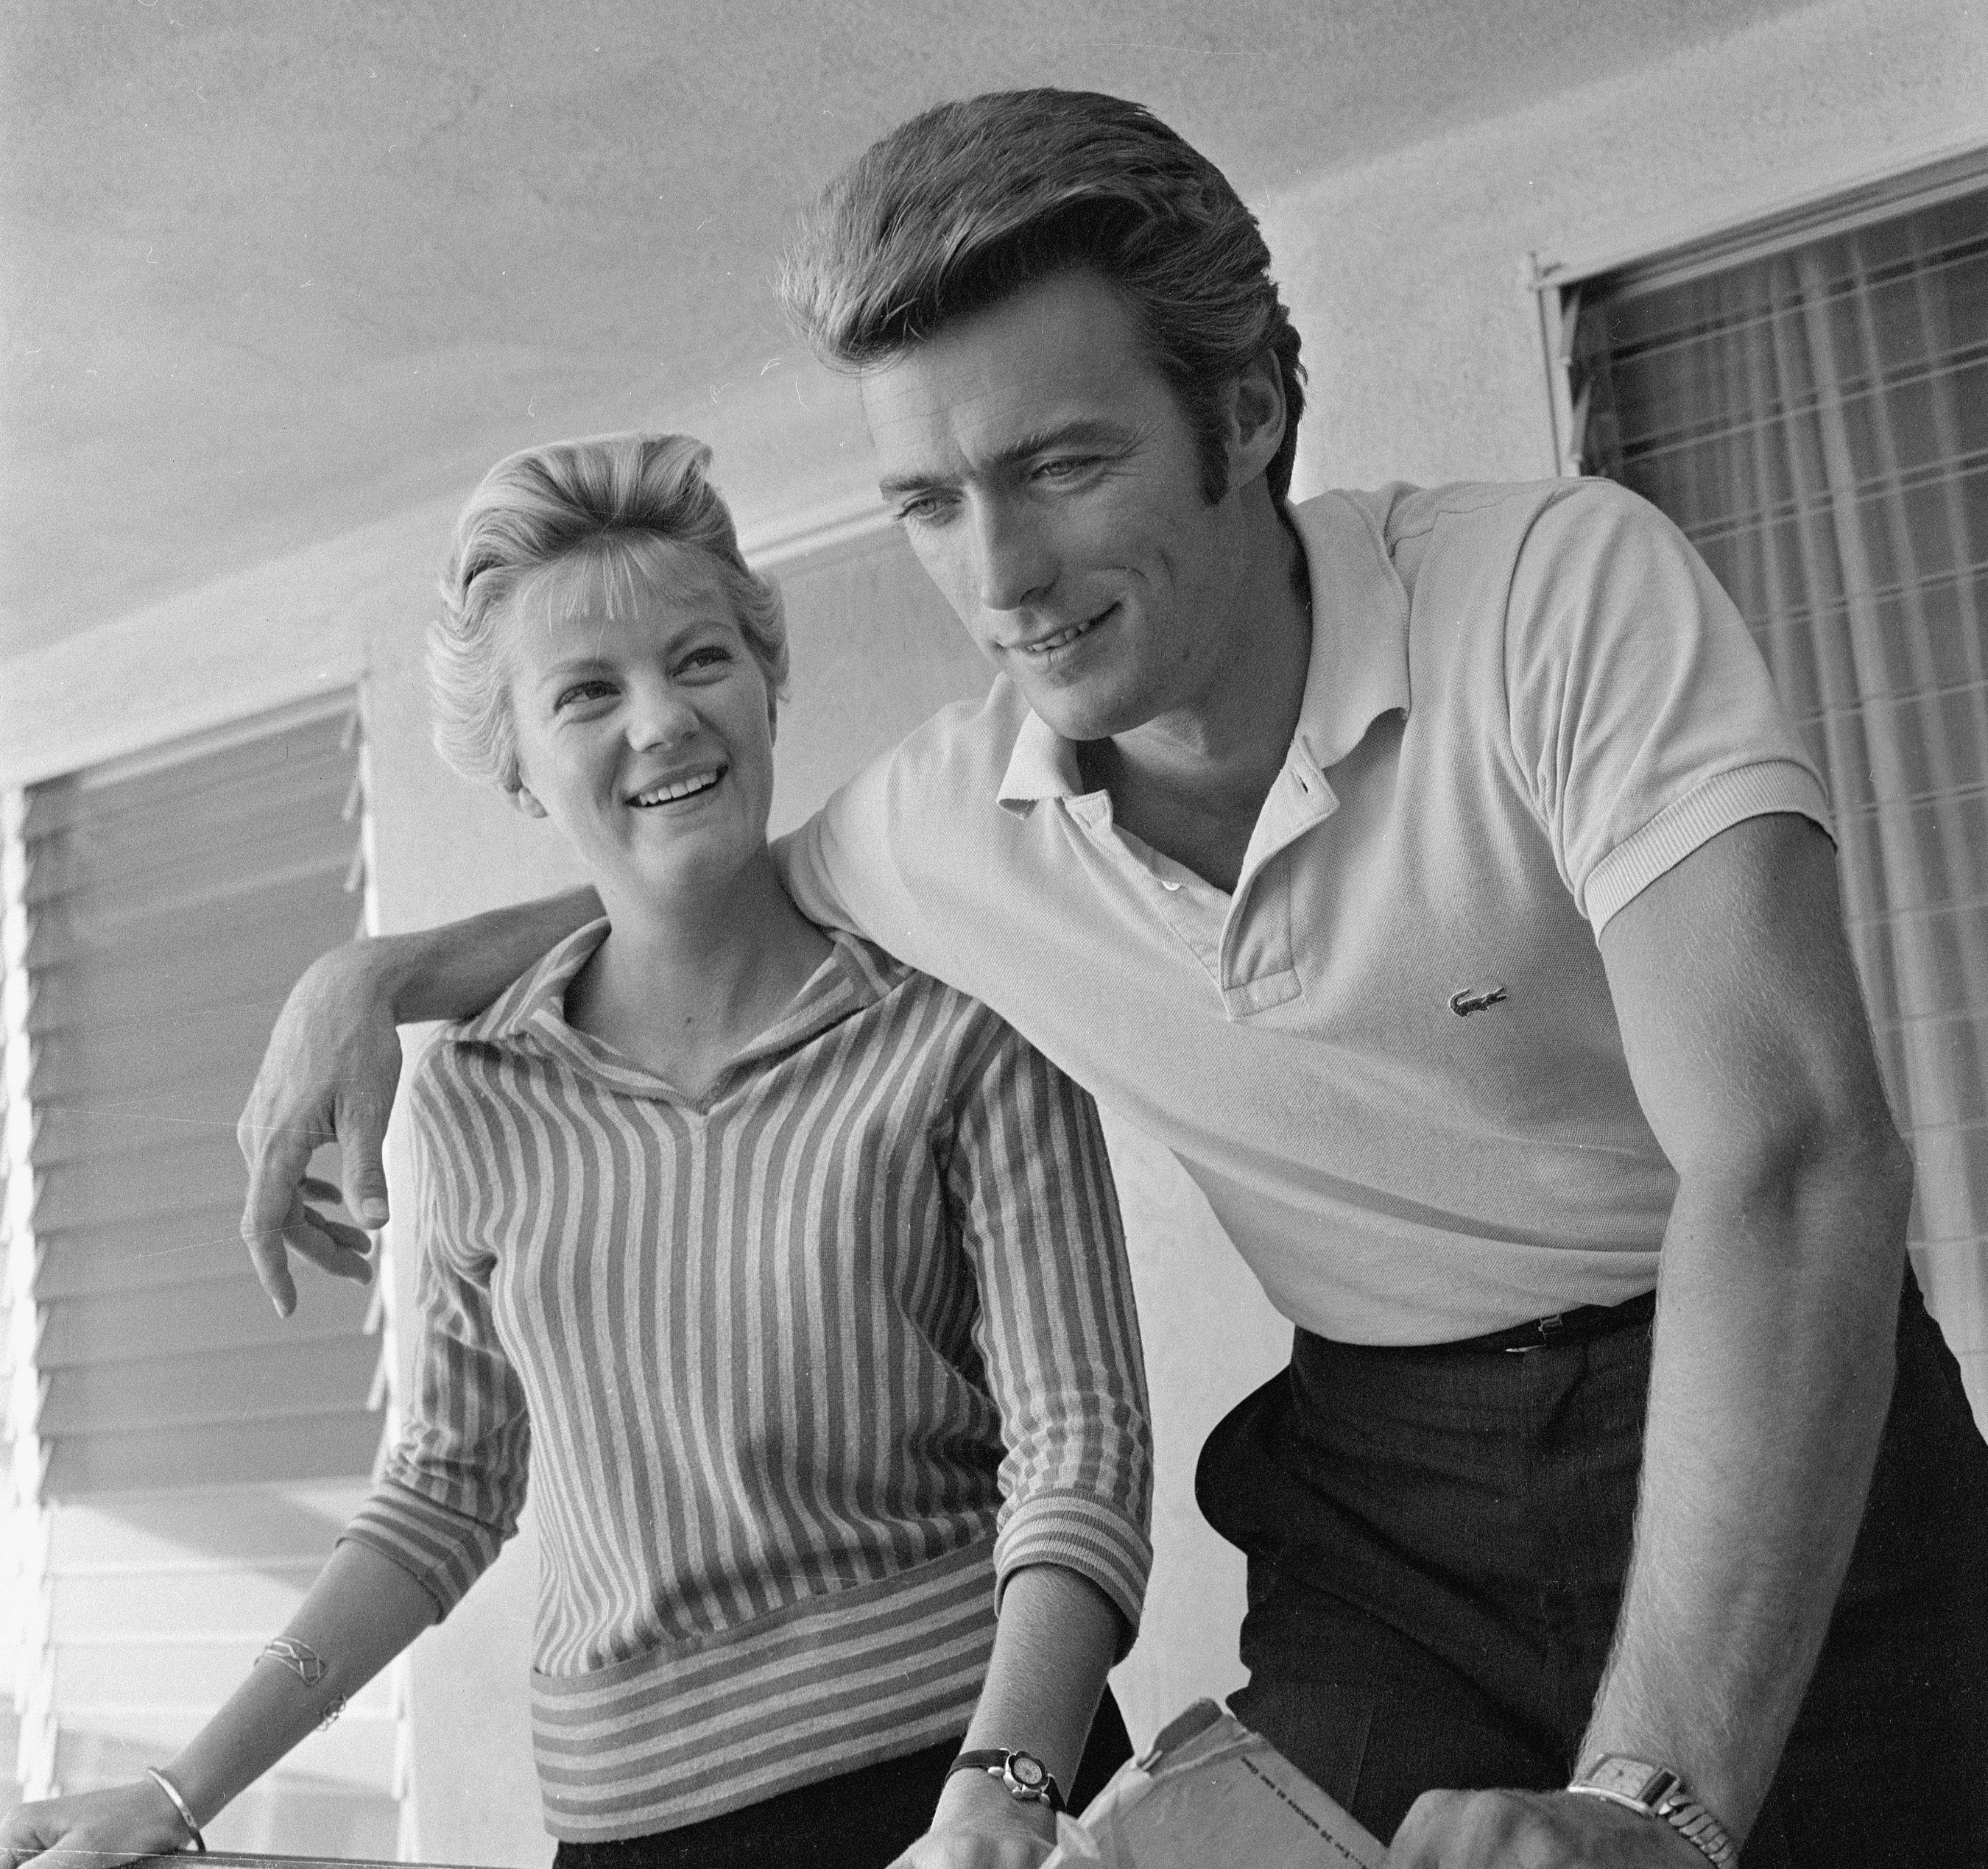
x=1255, y=407
x=525, y=802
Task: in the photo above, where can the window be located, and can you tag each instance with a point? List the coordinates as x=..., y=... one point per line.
x=182, y=1460
x=1809, y=402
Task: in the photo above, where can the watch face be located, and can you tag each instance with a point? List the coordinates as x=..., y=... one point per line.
x=1027, y=1771
x=1631, y=1777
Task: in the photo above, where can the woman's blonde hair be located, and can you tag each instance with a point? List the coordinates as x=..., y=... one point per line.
x=619, y=510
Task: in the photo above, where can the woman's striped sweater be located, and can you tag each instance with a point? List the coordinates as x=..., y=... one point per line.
x=803, y=1370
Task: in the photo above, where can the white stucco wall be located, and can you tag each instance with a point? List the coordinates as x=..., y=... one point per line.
x=1406, y=276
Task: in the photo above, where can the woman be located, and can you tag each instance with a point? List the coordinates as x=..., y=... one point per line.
x=798, y=1274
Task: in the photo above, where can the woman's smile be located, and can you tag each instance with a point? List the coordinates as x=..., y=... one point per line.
x=676, y=791
x=644, y=707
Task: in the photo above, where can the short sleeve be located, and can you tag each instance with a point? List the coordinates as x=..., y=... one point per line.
x=1641, y=712
x=842, y=869
x=454, y=1485
x=813, y=879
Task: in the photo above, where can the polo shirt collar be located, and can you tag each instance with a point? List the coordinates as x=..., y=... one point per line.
x=1043, y=764
x=1359, y=666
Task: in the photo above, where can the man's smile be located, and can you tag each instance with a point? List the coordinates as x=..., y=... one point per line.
x=1046, y=646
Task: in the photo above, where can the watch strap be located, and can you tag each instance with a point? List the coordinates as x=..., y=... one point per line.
x=1026, y=1778
x=1658, y=1792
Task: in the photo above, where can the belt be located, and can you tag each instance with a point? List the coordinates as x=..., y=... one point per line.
x=1574, y=1326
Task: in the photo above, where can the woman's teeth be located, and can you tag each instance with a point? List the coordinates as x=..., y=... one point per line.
x=677, y=789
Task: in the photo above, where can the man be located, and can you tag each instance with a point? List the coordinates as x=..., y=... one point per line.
x=1435, y=874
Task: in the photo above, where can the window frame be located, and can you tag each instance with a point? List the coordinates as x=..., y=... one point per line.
x=1669, y=257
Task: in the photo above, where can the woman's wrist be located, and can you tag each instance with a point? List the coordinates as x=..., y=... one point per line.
x=205, y=1774
x=976, y=1800
x=190, y=1820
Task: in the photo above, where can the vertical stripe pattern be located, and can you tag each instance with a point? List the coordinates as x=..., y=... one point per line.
x=801, y=1373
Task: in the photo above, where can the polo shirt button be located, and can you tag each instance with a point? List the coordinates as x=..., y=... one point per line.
x=1171, y=888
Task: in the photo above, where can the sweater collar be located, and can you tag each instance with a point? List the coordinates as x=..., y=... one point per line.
x=531, y=1010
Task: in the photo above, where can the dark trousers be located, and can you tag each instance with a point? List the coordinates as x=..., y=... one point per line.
x=1438, y=1539
x=859, y=1821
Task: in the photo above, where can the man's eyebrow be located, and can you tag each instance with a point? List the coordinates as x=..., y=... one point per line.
x=1083, y=431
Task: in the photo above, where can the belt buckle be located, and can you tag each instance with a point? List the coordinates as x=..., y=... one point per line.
x=1547, y=1327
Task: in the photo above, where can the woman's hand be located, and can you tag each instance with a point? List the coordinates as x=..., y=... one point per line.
x=329, y=1074
x=94, y=1829
x=978, y=1826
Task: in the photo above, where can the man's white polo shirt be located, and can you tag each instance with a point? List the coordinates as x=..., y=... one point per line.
x=1390, y=1059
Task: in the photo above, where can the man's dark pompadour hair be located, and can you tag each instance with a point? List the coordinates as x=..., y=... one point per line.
x=972, y=202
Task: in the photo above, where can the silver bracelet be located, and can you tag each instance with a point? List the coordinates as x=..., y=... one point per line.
x=299, y=1658
x=308, y=1666
x=180, y=1804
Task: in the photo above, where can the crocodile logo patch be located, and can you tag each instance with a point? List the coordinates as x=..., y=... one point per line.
x=1465, y=1003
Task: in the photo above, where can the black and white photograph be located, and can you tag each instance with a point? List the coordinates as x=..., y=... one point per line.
x=1037, y=936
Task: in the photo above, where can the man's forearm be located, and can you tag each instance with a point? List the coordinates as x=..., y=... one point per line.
x=1769, y=1382
x=454, y=971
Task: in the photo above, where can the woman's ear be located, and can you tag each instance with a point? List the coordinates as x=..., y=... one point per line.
x=525, y=802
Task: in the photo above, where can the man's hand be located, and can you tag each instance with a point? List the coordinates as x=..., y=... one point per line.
x=1533, y=1830
x=329, y=1074
x=978, y=1825
x=333, y=1064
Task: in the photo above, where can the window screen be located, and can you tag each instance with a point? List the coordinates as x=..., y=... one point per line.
x=1815, y=417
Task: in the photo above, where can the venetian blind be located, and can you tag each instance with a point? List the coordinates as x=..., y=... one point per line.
x=1815, y=417
x=170, y=905
x=18, y=1486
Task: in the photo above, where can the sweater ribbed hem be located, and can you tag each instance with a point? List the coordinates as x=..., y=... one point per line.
x=678, y=1735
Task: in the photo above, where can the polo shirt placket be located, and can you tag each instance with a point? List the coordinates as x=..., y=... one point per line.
x=1241, y=942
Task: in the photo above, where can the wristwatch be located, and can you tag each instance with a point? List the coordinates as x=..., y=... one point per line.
x=1658, y=1792
x=1027, y=1779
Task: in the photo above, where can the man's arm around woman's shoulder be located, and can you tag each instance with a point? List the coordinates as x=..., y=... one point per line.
x=331, y=1069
